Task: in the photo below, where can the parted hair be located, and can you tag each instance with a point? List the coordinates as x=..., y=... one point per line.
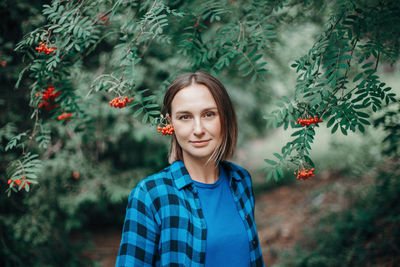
x=229, y=126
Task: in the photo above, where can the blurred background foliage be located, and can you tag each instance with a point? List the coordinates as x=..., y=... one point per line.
x=89, y=168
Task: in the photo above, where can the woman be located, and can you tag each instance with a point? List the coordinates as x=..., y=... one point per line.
x=199, y=211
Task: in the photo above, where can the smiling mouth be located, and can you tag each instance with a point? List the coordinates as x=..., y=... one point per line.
x=199, y=142
x=202, y=143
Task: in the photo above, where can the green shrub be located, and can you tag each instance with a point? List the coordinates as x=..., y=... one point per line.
x=365, y=234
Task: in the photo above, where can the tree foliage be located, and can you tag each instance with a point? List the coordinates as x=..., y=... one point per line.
x=338, y=81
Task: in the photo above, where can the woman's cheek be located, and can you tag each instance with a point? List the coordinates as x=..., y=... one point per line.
x=181, y=128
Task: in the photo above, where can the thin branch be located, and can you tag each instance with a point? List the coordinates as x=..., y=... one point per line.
x=33, y=132
x=135, y=40
x=343, y=83
x=376, y=65
x=377, y=60
x=52, y=150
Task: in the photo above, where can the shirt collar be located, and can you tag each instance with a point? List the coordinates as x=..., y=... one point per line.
x=182, y=178
x=180, y=174
x=231, y=171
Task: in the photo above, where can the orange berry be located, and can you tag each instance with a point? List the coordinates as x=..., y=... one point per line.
x=18, y=182
x=65, y=116
x=75, y=174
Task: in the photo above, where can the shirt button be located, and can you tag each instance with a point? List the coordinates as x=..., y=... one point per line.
x=254, y=242
x=236, y=194
x=247, y=216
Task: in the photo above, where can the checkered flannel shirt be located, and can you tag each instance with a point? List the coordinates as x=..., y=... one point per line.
x=165, y=225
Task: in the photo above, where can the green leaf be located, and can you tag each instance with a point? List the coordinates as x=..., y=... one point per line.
x=137, y=113
x=309, y=160
x=145, y=117
x=358, y=76
x=334, y=129
x=343, y=66
x=362, y=114
x=147, y=98
x=257, y=57
x=367, y=65
x=276, y=175
x=344, y=57
x=364, y=121
x=151, y=105
x=316, y=101
x=369, y=71
x=361, y=128
x=298, y=132
x=269, y=176
x=330, y=122
x=280, y=172
x=271, y=162
x=344, y=131
x=20, y=76
x=244, y=65
x=154, y=112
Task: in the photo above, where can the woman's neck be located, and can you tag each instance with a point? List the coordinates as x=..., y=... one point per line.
x=201, y=171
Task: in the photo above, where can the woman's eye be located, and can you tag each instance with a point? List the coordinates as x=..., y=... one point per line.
x=184, y=117
x=209, y=114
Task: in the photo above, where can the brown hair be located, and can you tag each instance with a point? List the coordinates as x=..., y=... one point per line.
x=225, y=109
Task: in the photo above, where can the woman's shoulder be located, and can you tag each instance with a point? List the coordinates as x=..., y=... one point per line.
x=232, y=167
x=152, y=182
x=155, y=191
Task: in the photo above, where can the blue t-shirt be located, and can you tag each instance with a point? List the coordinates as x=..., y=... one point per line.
x=227, y=240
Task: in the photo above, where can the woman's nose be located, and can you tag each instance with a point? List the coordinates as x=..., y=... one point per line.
x=198, y=127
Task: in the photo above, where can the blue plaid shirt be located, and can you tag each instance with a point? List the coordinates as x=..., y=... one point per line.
x=165, y=225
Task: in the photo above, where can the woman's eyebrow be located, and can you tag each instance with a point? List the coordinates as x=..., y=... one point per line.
x=187, y=111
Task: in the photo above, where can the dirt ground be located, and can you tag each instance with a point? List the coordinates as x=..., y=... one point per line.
x=281, y=215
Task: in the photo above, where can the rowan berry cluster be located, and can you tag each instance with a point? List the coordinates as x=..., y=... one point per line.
x=48, y=97
x=165, y=126
x=118, y=103
x=166, y=130
x=45, y=49
x=18, y=182
x=309, y=121
x=305, y=174
x=104, y=19
x=65, y=116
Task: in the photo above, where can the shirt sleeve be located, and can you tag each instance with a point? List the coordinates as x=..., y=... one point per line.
x=140, y=235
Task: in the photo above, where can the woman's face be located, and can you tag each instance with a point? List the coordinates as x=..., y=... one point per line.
x=196, y=122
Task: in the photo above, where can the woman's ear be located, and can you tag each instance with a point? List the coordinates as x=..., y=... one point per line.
x=168, y=118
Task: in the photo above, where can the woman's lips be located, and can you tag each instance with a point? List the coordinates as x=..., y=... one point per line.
x=200, y=143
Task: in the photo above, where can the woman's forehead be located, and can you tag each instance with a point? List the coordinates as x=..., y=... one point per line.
x=193, y=97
